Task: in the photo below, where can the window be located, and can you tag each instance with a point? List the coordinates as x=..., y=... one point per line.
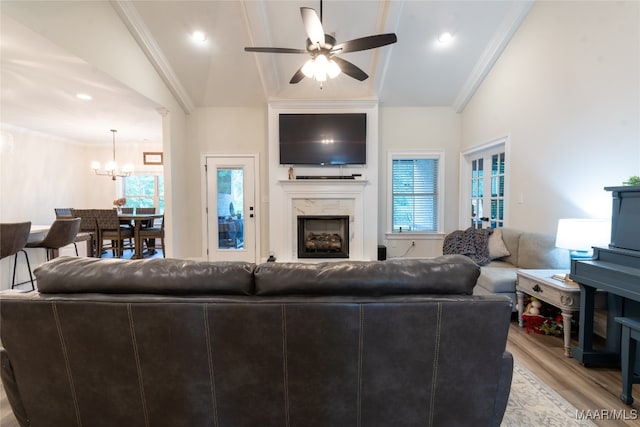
x=416, y=196
x=144, y=191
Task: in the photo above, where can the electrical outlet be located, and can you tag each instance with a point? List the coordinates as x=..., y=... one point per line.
x=413, y=243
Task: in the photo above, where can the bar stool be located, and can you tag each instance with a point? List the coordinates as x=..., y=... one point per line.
x=629, y=340
x=13, y=239
x=63, y=232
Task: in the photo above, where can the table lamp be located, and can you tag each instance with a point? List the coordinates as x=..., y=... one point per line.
x=580, y=235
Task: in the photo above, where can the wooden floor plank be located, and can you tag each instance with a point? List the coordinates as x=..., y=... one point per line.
x=590, y=389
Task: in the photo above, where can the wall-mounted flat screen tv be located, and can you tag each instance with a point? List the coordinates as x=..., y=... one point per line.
x=323, y=139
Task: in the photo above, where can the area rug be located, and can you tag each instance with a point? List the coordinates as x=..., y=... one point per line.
x=532, y=403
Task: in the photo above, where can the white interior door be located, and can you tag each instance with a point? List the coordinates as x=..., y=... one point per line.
x=484, y=195
x=230, y=208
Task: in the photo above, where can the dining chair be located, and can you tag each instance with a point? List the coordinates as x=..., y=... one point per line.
x=63, y=232
x=109, y=229
x=146, y=211
x=13, y=239
x=63, y=213
x=88, y=224
x=127, y=223
x=150, y=234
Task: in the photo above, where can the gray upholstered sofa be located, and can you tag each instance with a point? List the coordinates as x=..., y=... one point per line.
x=164, y=342
x=525, y=250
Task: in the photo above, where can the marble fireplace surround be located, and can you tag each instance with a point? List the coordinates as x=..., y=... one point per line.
x=310, y=197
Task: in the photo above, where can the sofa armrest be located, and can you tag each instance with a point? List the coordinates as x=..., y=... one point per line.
x=11, y=389
x=504, y=389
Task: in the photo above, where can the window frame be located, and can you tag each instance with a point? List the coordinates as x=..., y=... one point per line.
x=416, y=155
x=156, y=188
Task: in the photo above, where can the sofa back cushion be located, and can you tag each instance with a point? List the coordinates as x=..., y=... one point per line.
x=537, y=250
x=155, y=275
x=511, y=239
x=448, y=274
x=246, y=361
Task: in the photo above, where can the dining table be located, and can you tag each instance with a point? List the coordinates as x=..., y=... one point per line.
x=137, y=220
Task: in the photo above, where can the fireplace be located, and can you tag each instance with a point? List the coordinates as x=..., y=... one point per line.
x=323, y=236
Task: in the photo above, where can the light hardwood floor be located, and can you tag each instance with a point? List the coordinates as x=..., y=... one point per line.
x=588, y=389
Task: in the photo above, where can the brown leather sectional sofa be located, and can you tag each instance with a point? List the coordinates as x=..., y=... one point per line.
x=165, y=342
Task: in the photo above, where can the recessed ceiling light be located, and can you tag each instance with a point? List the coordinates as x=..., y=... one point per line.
x=445, y=37
x=199, y=36
x=84, y=96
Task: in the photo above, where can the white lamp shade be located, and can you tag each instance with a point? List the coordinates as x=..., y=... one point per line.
x=321, y=68
x=95, y=165
x=333, y=69
x=578, y=234
x=308, y=68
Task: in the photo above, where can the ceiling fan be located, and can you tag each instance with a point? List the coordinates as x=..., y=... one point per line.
x=324, y=51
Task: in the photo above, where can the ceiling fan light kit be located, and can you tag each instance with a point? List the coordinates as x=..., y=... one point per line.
x=324, y=51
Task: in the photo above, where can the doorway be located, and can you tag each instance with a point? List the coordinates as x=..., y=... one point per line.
x=231, y=228
x=483, y=198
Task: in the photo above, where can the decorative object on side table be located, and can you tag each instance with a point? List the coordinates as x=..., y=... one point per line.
x=542, y=318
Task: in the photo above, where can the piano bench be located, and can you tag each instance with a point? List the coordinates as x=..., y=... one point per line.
x=629, y=340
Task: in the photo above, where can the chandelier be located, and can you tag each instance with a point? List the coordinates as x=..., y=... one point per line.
x=111, y=168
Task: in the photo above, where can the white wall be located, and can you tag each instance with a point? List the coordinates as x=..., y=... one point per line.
x=226, y=131
x=40, y=173
x=567, y=91
x=410, y=129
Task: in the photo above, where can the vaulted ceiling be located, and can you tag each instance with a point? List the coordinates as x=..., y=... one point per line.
x=39, y=80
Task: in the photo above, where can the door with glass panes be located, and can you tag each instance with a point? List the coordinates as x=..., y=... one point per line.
x=231, y=211
x=487, y=188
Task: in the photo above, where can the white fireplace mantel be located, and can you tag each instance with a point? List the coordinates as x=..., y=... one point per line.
x=357, y=197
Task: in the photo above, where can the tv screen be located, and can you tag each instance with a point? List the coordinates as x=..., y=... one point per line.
x=323, y=139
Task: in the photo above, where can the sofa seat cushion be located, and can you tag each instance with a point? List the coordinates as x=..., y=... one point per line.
x=498, y=279
x=448, y=274
x=149, y=276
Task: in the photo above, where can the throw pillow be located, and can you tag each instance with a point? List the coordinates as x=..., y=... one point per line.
x=497, y=248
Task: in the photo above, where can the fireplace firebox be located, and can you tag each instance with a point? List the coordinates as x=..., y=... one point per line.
x=323, y=236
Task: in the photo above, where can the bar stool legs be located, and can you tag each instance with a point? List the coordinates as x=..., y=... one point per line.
x=15, y=267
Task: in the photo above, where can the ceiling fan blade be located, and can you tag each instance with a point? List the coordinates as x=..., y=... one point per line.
x=274, y=50
x=351, y=70
x=365, y=43
x=312, y=25
x=299, y=75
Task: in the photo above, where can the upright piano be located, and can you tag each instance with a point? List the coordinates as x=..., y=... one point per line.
x=616, y=270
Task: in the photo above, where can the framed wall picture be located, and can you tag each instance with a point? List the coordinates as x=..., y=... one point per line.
x=152, y=158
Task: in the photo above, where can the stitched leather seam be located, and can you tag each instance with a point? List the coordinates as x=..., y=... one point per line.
x=436, y=353
x=67, y=364
x=360, y=353
x=285, y=367
x=138, y=366
x=212, y=375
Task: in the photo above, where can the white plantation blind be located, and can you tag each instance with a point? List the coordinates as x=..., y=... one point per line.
x=415, y=194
